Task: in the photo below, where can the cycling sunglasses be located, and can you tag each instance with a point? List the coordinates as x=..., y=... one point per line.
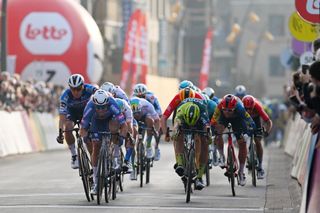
x=228, y=110
x=77, y=88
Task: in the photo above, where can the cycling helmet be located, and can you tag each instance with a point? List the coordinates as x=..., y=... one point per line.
x=186, y=93
x=140, y=89
x=108, y=87
x=192, y=114
x=135, y=105
x=101, y=97
x=75, y=80
x=240, y=91
x=185, y=84
x=248, y=101
x=209, y=92
x=229, y=102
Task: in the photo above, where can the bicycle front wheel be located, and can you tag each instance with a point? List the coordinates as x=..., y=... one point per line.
x=141, y=163
x=253, y=163
x=207, y=175
x=101, y=176
x=190, y=168
x=84, y=172
x=231, y=169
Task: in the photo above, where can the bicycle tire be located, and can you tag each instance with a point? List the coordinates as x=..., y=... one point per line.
x=190, y=167
x=101, y=176
x=141, y=163
x=207, y=171
x=253, y=163
x=114, y=187
x=84, y=173
x=148, y=165
x=231, y=169
x=134, y=163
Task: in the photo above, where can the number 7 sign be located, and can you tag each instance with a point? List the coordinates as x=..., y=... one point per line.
x=309, y=10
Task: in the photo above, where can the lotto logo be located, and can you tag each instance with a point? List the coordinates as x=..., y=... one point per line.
x=45, y=33
x=309, y=10
x=313, y=6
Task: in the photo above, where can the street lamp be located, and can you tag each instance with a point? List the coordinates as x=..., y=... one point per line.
x=4, y=36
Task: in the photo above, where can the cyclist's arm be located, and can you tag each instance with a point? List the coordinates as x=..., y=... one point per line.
x=216, y=115
x=264, y=116
x=63, y=109
x=87, y=115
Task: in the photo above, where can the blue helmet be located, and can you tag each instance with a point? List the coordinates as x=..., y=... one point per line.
x=135, y=105
x=185, y=84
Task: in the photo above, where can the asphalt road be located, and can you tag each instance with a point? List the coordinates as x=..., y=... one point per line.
x=44, y=182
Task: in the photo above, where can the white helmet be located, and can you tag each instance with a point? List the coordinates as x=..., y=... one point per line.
x=209, y=92
x=101, y=97
x=75, y=80
x=139, y=89
x=108, y=87
x=240, y=91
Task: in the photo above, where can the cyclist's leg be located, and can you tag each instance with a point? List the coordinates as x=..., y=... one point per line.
x=201, y=154
x=149, y=123
x=180, y=160
x=96, y=126
x=218, y=141
x=239, y=126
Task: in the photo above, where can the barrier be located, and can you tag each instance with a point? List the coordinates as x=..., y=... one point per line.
x=300, y=144
x=23, y=133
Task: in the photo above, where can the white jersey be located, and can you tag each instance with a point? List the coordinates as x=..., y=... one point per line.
x=154, y=101
x=119, y=93
x=147, y=108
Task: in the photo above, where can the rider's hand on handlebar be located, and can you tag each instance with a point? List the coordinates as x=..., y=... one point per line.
x=60, y=137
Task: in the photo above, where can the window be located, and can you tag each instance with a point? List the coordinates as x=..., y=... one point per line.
x=276, y=25
x=275, y=67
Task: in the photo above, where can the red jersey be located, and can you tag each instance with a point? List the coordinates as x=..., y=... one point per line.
x=174, y=103
x=258, y=111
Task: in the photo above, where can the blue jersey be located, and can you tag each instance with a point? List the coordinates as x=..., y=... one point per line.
x=112, y=110
x=215, y=99
x=211, y=107
x=70, y=105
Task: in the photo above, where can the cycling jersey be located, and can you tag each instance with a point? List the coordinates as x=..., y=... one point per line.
x=73, y=107
x=211, y=107
x=215, y=99
x=90, y=114
x=175, y=103
x=258, y=111
x=125, y=109
x=119, y=93
x=181, y=111
x=147, y=109
x=154, y=101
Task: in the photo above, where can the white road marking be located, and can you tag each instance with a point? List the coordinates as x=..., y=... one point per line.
x=134, y=207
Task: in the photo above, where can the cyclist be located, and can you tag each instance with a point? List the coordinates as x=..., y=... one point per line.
x=101, y=113
x=127, y=112
x=115, y=90
x=143, y=111
x=211, y=94
x=240, y=91
x=192, y=114
x=72, y=103
x=256, y=111
x=211, y=107
x=141, y=91
x=231, y=110
x=187, y=92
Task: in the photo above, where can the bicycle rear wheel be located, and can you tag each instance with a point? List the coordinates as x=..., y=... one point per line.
x=101, y=176
x=148, y=165
x=231, y=169
x=253, y=163
x=84, y=171
x=190, y=168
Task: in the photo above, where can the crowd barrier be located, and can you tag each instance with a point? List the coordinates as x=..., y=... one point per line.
x=300, y=144
x=23, y=133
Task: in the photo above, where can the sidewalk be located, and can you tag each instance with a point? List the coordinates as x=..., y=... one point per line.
x=283, y=193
